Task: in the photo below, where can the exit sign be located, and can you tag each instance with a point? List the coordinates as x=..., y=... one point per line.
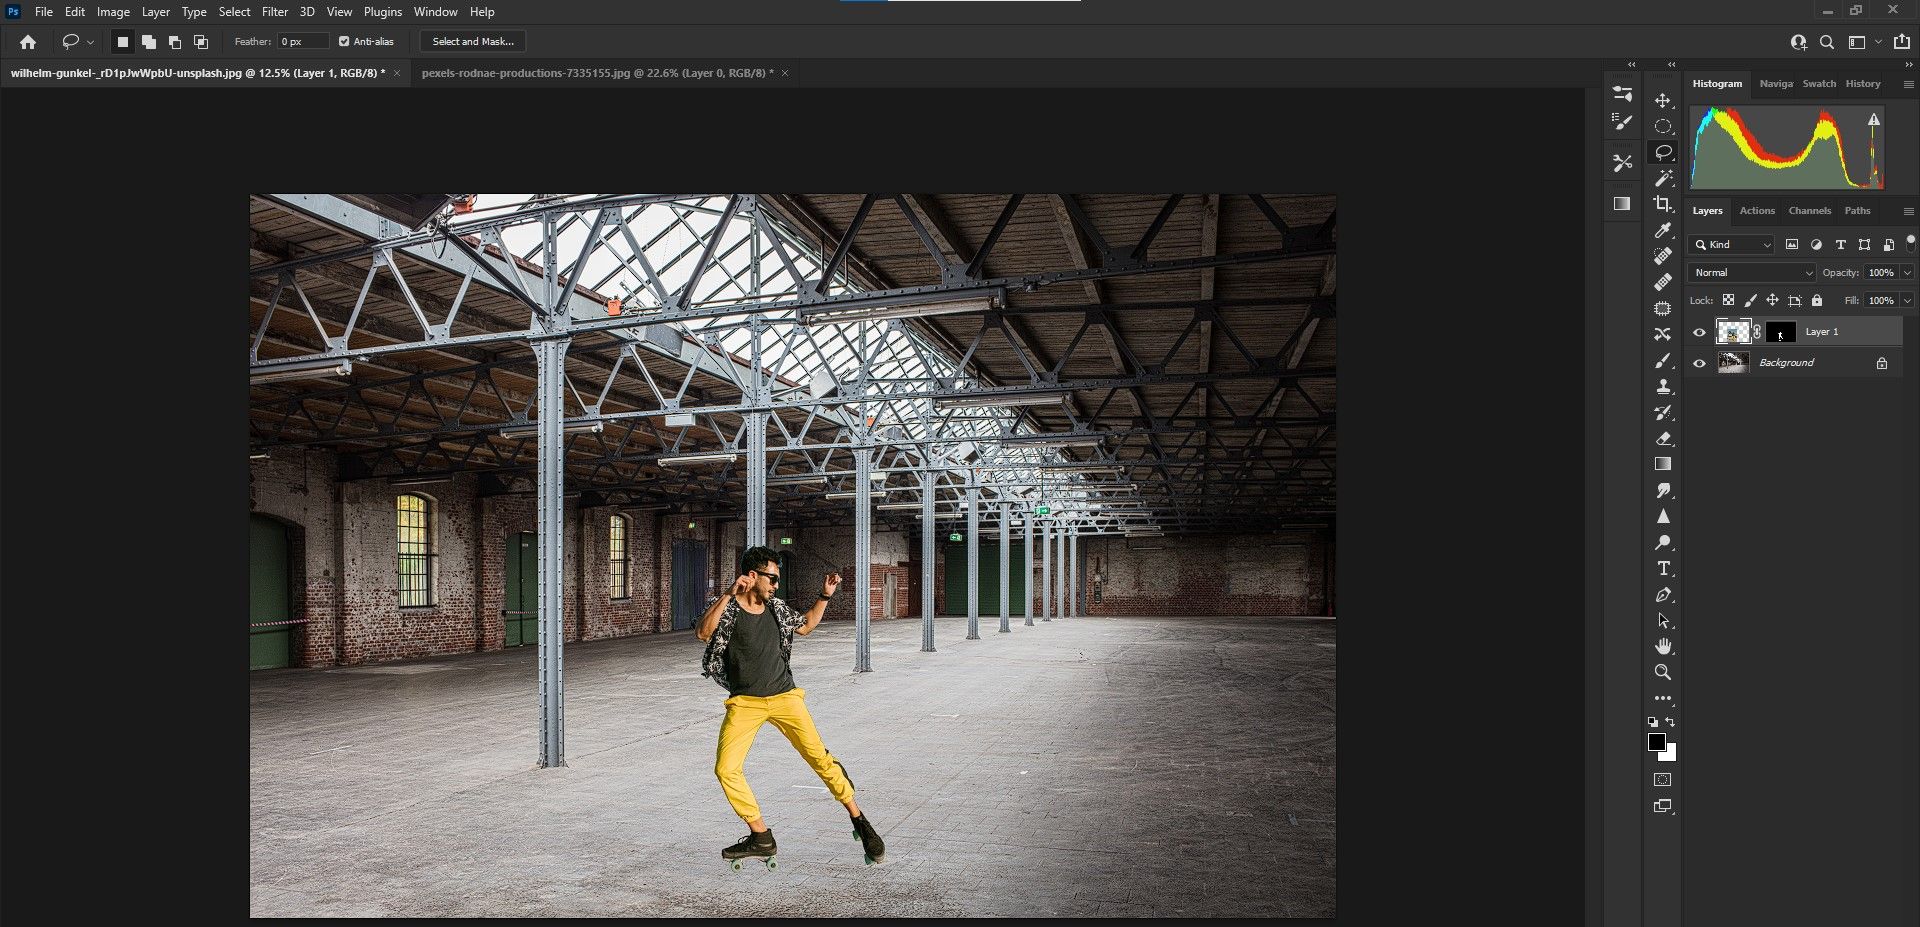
x=786, y=540
x=954, y=536
x=1043, y=510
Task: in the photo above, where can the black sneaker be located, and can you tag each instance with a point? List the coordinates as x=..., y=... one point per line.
x=752, y=845
x=870, y=839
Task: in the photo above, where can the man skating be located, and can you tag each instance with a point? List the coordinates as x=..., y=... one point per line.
x=749, y=636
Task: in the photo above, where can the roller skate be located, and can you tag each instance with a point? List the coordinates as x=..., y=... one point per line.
x=870, y=839
x=752, y=845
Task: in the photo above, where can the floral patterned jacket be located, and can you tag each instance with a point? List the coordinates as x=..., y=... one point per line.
x=714, y=662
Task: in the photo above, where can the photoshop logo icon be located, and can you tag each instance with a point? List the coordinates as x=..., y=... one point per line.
x=13, y=11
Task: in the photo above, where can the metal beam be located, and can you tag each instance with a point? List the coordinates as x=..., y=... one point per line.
x=973, y=564
x=590, y=309
x=1046, y=571
x=862, y=561
x=1005, y=512
x=927, y=528
x=551, y=354
x=1073, y=578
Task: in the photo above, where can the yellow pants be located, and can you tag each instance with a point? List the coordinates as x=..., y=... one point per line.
x=788, y=712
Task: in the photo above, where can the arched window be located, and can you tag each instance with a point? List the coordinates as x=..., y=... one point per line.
x=415, y=522
x=617, y=557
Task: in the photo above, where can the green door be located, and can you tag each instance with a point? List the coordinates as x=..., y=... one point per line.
x=523, y=589
x=956, y=597
x=956, y=590
x=269, y=601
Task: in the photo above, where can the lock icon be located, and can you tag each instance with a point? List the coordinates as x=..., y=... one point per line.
x=1817, y=300
x=1880, y=364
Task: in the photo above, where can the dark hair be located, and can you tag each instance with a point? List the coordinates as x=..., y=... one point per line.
x=756, y=558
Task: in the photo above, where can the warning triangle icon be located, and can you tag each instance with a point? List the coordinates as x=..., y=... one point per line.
x=1664, y=519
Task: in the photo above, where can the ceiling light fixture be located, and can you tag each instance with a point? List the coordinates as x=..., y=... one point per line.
x=1051, y=440
x=691, y=459
x=1083, y=466
x=533, y=430
x=890, y=307
x=996, y=400
x=305, y=370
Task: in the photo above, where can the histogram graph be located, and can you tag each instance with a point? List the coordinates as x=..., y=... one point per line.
x=1788, y=148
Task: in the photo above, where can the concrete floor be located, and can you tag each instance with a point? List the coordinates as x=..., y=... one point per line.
x=1110, y=766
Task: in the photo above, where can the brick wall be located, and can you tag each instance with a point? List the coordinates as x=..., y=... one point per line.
x=602, y=615
x=375, y=627
x=705, y=530
x=345, y=565
x=344, y=568
x=1278, y=574
x=824, y=549
x=296, y=488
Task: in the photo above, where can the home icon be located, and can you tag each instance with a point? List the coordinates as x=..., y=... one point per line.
x=27, y=43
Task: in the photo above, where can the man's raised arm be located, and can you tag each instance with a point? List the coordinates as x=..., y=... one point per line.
x=819, y=609
x=703, y=628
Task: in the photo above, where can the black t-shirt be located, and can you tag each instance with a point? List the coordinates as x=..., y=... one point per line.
x=755, y=665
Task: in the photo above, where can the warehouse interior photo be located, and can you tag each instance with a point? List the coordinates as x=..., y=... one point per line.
x=1070, y=458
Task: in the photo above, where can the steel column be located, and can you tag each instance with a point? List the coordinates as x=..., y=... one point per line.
x=756, y=425
x=550, y=356
x=1046, y=571
x=973, y=564
x=1059, y=588
x=1066, y=572
x=926, y=562
x=862, y=565
x=1073, y=574
x=1058, y=580
x=1006, y=560
x=548, y=522
x=1030, y=609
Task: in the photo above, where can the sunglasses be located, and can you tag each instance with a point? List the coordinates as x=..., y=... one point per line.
x=772, y=578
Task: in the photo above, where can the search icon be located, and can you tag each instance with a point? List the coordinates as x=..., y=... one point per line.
x=1660, y=670
x=1798, y=42
x=68, y=41
x=1699, y=244
x=1826, y=42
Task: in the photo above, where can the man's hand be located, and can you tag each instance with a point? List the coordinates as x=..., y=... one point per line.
x=741, y=585
x=831, y=584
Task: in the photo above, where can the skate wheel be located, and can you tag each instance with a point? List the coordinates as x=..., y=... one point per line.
x=772, y=864
x=869, y=860
x=856, y=835
x=736, y=865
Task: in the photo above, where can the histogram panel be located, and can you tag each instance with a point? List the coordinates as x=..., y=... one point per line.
x=1788, y=148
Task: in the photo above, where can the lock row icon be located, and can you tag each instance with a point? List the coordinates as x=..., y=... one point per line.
x=1880, y=364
